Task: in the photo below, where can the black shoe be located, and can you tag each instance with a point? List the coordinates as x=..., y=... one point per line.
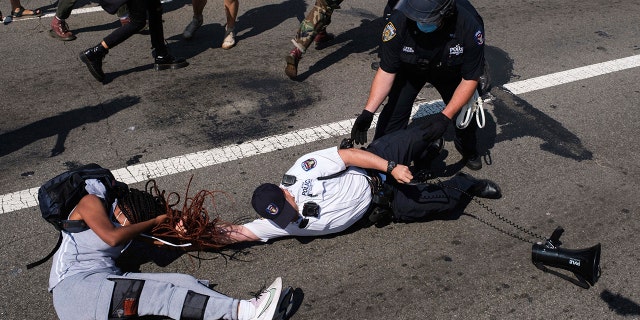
x=169, y=62
x=92, y=57
x=472, y=159
x=474, y=162
x=482, y=188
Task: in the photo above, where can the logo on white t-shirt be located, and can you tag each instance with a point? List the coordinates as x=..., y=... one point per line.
x=307, y=188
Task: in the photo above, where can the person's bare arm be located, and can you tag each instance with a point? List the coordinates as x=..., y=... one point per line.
x=367, y=160
x=92, y=211
x=238, y=233
x=461, y=96
x=380, y=88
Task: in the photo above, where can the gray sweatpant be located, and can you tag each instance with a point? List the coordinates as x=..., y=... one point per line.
x=88, y=296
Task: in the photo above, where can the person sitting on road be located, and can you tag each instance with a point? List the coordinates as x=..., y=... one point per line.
x=87, y=284
x=329, y=190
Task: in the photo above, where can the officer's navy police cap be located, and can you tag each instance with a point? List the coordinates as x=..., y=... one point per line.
x=269, y=202
x=425, y=11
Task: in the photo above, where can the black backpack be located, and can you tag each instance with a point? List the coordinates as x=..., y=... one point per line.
x=58, y=196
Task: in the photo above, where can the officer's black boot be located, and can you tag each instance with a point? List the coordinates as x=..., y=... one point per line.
x=92, y=57
x=471, y=159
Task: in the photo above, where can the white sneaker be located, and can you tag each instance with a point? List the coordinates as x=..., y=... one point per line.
x=190, y=30
x=267, y=303
x=229, y=39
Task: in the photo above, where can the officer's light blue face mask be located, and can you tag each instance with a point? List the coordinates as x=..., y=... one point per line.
x=427, y=27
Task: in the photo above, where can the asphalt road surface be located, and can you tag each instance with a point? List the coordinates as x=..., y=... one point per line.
x=563, y=147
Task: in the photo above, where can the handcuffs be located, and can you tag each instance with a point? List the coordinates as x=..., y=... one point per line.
x=474, y=106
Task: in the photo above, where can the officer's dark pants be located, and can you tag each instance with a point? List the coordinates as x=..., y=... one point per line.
x=406, y=86
x=421, y=202
x=418, y=202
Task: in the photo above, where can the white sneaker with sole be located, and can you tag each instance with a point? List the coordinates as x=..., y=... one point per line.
x=191, y=29
x=229, y=39
x=267, y=302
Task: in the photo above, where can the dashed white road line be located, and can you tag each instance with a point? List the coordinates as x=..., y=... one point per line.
x=144, y=171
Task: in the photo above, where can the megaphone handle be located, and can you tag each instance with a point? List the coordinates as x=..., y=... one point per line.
x=554, y=240
x=580, y=281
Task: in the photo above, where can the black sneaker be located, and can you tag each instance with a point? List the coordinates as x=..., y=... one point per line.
x=169, y=62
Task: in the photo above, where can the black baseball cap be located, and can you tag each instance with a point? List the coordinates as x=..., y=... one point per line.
x=269, y=202
x=425, y=11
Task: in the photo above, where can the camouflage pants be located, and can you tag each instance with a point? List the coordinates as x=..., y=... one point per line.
x=317, y=20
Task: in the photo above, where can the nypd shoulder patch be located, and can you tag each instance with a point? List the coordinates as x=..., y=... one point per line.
x=309, y=164
x=389, y=32
x=479, y=37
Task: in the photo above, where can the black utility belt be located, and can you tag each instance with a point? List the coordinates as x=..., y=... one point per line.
x=375, y=181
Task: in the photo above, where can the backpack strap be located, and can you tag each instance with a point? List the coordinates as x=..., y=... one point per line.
x=68, y=225
x=43, y=260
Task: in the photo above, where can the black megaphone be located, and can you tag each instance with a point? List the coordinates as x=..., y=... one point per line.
x=584, y=263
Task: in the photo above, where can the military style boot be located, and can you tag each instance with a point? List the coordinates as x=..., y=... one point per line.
x=291, y=70
x=322, y=39
x=60, y=30
x=92, y=57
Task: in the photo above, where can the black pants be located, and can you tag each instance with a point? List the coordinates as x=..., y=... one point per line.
x=418, y=202
x=139, y=12
x=406, y=86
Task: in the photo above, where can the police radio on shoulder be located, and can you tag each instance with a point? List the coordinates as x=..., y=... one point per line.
x=390, y=166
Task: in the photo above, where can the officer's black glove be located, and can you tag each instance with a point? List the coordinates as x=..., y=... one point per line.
x=435, y=126
x=361, y=126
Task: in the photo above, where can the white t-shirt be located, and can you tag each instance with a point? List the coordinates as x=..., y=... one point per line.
x=342, y=200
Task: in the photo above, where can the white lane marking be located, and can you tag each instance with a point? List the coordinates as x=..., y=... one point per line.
x=144, y=171
x=73, y=12
x=558, y=78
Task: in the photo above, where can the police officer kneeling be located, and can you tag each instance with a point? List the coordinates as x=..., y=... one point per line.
x=440, y=42
x=329, y=190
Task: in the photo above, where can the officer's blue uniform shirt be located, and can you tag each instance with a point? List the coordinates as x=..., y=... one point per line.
x=457, y=46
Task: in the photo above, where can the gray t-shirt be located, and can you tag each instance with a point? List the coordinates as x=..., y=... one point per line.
x=84, y=251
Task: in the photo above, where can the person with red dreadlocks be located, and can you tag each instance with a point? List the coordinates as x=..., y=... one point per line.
x=87, y=284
